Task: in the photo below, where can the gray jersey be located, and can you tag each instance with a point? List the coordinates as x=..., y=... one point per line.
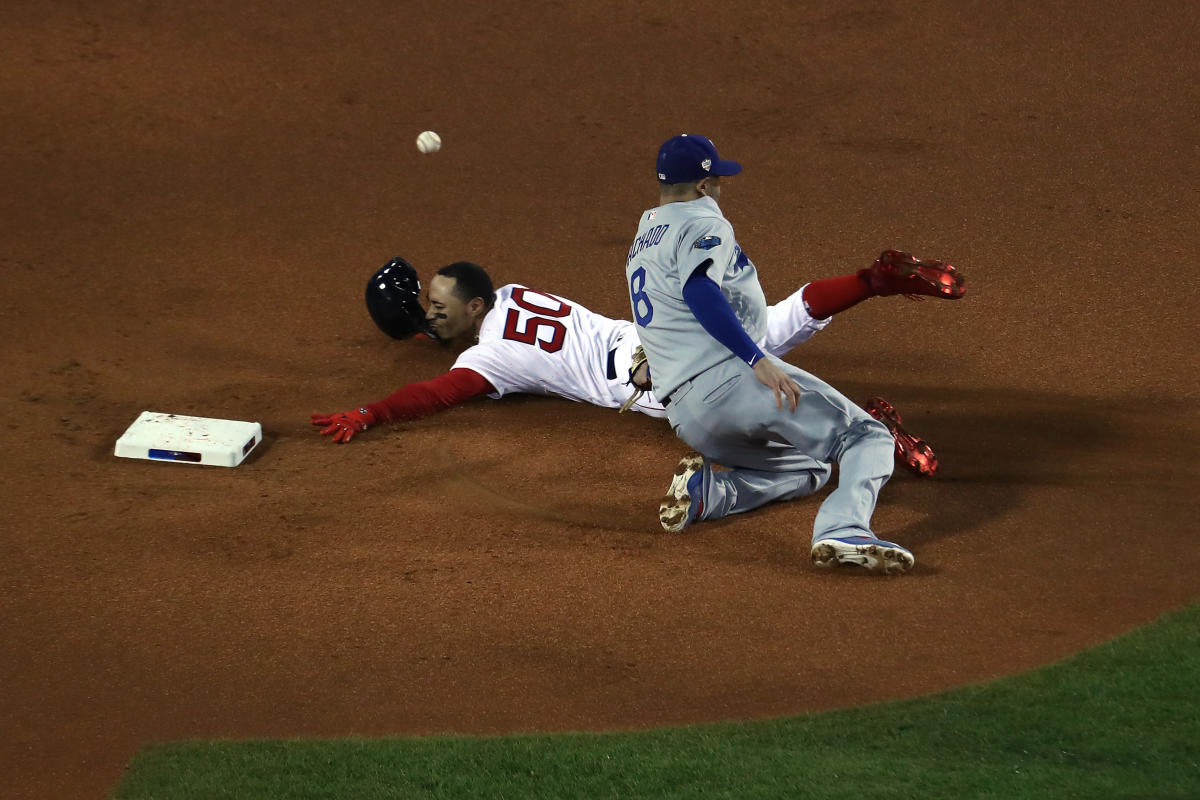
x=672, y=241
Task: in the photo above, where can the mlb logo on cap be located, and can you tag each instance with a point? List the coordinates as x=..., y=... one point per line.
x=689, y=157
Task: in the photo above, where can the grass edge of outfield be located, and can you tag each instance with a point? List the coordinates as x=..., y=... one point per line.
x=1118, y=720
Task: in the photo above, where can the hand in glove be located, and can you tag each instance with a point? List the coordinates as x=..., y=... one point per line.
x=344, y=424
x=639, y=378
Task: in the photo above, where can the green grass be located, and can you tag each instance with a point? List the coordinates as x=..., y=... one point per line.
x=1119, y=721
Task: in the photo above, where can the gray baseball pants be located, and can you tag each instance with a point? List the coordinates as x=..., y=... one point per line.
x=771, y=454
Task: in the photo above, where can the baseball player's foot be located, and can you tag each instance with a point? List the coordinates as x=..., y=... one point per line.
x=685, y=497
x=883, y=558
x=911, y=451
x=895, y=272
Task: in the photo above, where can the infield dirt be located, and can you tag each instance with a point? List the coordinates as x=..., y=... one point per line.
x=194, y=197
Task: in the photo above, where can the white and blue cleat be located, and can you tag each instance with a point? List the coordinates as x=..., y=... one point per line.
x=684, y=502
x=874, y=554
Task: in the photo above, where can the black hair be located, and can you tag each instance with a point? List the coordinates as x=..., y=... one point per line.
x=470, y=281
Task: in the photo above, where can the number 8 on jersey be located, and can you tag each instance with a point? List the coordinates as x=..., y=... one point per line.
x=643, y=310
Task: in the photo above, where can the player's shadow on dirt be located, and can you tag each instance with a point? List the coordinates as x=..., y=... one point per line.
x=997, y=446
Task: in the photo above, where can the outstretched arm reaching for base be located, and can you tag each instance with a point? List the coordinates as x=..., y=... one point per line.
x=413, y=401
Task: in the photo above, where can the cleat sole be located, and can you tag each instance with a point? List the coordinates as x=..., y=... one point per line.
x=673, y=510
x=878, y=556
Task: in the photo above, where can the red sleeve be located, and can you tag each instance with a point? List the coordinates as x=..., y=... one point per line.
x=418, y=400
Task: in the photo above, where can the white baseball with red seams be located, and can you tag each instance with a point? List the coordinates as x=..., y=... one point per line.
x=429, y=142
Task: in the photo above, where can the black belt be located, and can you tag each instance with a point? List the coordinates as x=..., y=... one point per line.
x=666, y=401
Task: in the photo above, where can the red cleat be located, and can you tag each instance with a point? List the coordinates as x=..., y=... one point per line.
x=895, y=272
x=911, y=451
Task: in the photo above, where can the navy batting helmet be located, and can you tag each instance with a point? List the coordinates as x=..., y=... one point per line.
x=393, y=300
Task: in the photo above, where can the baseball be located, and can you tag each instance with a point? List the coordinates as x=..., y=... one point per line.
x=429, y=142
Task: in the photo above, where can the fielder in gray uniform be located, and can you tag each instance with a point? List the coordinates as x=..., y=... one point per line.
x=777, y=430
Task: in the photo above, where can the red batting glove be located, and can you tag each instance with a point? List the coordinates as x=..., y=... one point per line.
x=344, y=424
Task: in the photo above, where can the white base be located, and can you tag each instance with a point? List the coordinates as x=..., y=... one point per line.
x=189, y=440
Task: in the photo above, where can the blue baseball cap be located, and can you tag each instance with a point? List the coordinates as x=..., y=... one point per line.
x=688, y=157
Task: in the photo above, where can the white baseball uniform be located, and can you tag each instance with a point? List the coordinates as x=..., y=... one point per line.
x=536, y=343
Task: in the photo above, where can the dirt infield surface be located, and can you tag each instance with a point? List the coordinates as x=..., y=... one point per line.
x=193, y=200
